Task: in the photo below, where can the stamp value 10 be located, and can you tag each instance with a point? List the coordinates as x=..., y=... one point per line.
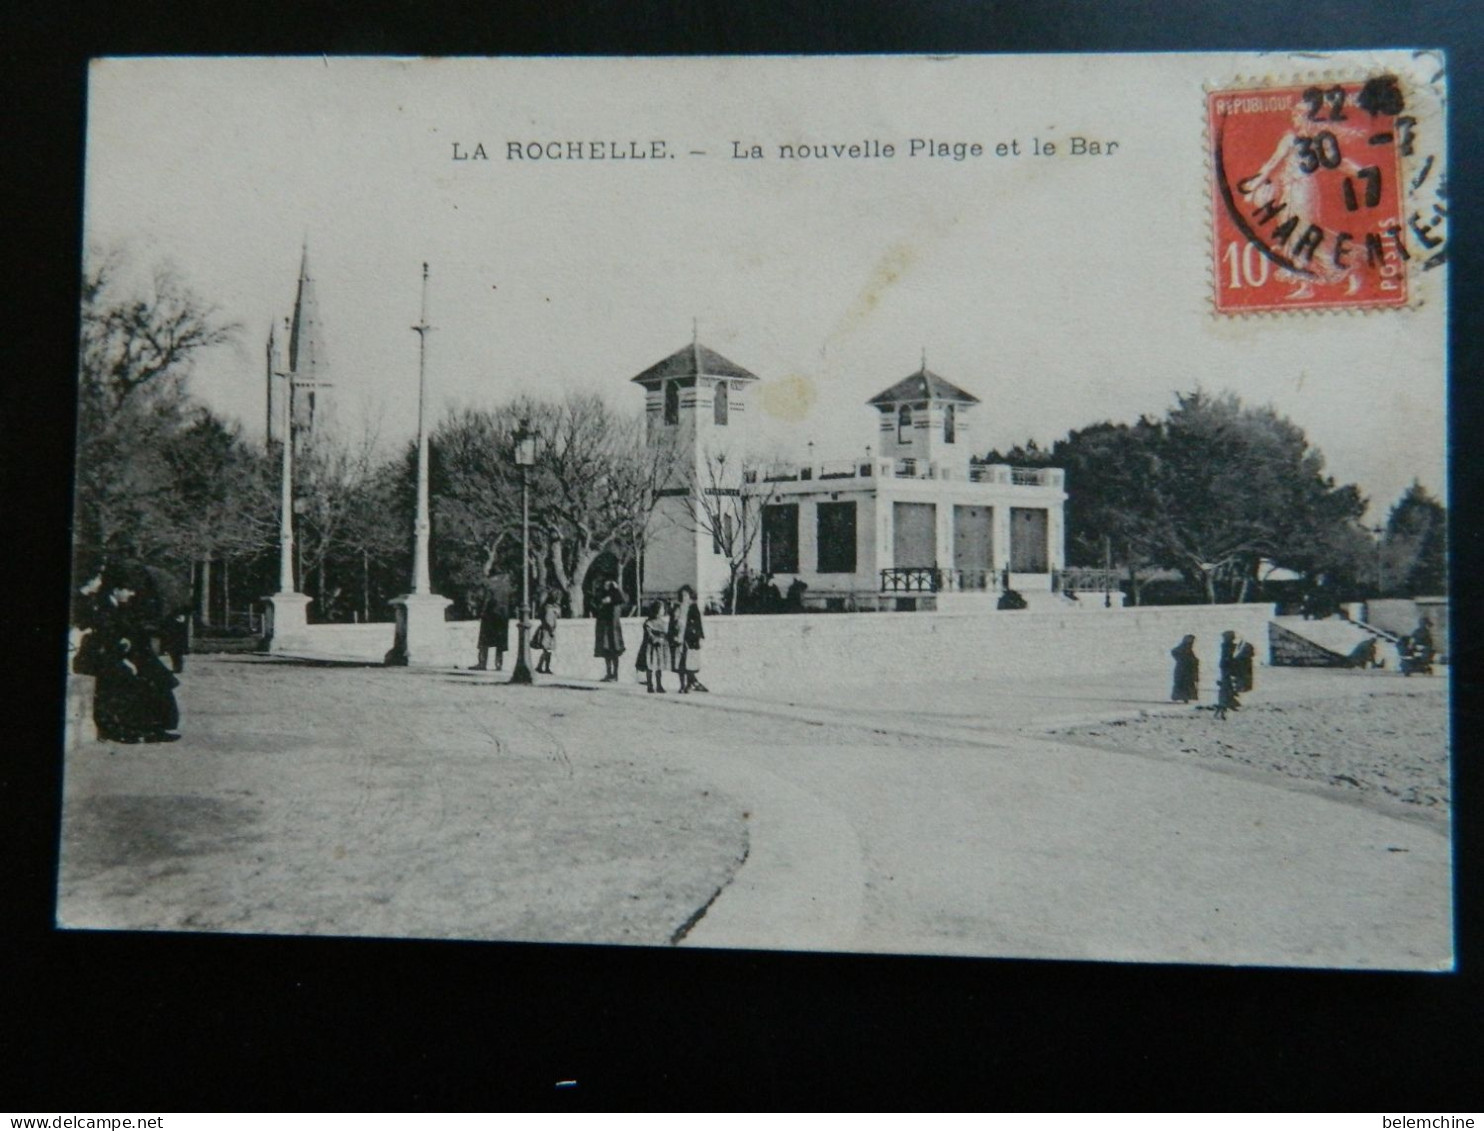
x=1308, y=202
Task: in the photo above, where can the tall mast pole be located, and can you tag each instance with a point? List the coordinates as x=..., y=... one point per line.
x=422, y=526
x=286, y=497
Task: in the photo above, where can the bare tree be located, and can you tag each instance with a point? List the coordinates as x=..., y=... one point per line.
x=725, y=502
x=334, y=476
x=141, y=341
x=592, y=491
x=136, y=350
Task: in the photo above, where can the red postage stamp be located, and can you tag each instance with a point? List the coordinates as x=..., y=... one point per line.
x=1308, y=202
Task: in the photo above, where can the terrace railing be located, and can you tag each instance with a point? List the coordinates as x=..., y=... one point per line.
x=1085, y=579
x=1015, y=476
x=911, y=579
x=974, y=580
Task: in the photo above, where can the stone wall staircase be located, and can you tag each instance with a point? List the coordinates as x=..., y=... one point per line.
x=1334, y=642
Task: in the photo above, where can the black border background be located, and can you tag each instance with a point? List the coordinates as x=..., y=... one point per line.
x=121, y=1022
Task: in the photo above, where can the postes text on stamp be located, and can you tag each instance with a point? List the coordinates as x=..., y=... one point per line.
x=1307, y=196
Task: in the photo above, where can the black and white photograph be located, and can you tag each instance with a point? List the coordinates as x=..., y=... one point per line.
x=972, y=506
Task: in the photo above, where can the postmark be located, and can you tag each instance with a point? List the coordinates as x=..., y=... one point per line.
x=1314, y=189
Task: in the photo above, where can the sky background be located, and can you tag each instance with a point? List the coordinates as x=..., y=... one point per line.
x=1059, y=290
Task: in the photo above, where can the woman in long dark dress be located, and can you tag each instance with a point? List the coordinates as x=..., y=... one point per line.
x=1187, y=672
x=494, y=632
x=608, y=629
x=134, y=692
x=686, y=634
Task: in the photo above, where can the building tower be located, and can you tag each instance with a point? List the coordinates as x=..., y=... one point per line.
x=926, y=421
x=695, y=404
x=304, y=368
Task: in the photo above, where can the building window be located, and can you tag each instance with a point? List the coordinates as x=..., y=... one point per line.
x=723, y=534
x=719, y=404
x=672, y=402
x=781, y=538
x=904, y=424
x=950, y=424
x=835, y=530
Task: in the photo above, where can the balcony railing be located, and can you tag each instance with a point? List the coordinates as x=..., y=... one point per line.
x=911, y=579
x=932, y=579
x=905, y=468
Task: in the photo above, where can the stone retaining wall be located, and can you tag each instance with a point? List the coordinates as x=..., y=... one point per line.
x=880, y=648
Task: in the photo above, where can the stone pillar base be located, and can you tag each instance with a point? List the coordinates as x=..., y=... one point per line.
x=422, y=632
x=287, y=620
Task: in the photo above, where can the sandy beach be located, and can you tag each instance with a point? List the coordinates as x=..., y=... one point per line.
x=1387, y=748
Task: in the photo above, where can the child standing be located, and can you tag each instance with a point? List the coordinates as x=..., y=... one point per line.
x=657, y=656
x=545, y=639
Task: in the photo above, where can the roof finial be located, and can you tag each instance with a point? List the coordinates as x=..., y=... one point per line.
x=695, y=330
x=924, y=359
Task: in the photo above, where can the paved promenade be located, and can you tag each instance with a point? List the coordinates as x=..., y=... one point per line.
x=927, y=818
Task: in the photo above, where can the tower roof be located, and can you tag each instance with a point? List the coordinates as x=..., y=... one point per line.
x=694, y=360
x=924, y=385
x=306, y=347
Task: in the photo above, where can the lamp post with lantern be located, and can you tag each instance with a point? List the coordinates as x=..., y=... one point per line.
x=1379, y=532
x=525, y=459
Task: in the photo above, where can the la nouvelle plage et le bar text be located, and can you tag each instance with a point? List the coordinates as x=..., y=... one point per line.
x=865, y=149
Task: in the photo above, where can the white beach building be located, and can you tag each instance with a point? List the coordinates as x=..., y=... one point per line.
x=915, y=523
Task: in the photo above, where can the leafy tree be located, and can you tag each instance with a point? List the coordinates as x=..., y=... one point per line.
x=1237, y=485
x=220, y=501
x=1112, y=472
x=474, y=490
x=1211, y=490
x=1414, y=545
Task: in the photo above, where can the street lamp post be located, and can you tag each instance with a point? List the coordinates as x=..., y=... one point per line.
x=525, y=458
x=1107, y=572
x=1380, y=533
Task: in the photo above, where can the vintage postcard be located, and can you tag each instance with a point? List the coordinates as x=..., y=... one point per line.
x=978, y=505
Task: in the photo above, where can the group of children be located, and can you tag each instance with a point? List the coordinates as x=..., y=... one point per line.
x=672, y=642
x=672, y=637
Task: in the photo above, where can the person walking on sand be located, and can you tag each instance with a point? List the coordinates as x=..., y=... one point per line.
x=1187, y=682
x=608, y=629
x=544, y=640
x=1226, y=676
x=1243, y=660
x=494, y=632
x=1226, y=670
x=686, y=634
x=656, y=654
